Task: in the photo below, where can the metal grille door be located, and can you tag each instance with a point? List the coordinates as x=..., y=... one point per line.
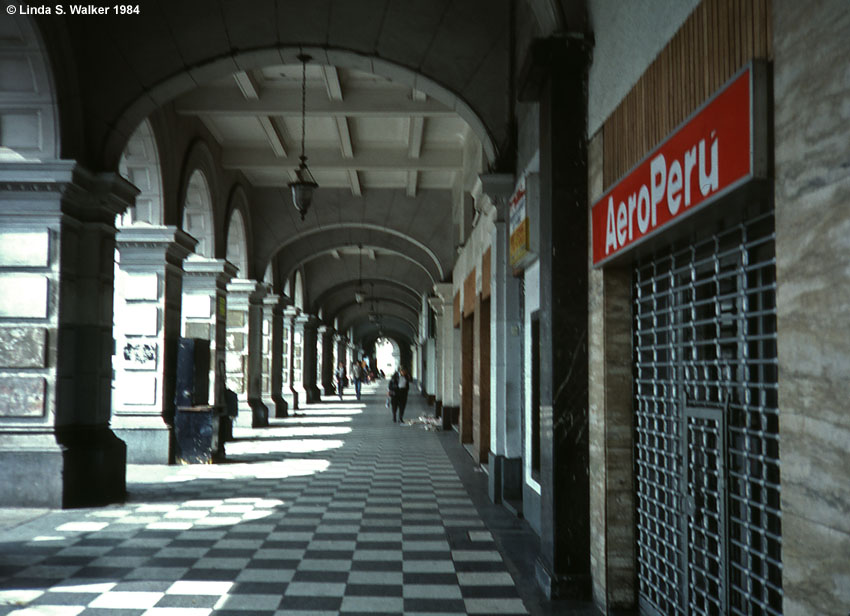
x=706, y=417
x=705, y=511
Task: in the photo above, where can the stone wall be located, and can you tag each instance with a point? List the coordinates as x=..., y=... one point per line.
x=611, y=429
x=812, y=158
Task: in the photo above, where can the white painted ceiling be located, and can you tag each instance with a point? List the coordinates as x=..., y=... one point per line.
x=363, y=131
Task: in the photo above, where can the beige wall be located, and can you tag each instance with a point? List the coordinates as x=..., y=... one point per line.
x=812, y=133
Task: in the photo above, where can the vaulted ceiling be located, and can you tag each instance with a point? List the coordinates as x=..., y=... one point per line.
x=389, y=161
x=363, y=131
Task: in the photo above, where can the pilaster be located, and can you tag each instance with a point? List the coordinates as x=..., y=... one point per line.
x=341, y=354
x=555, y=76
x=506, y=336
x=273, y=328
x=307, y=325
x=325, y=362
x=290, y=358
x=57, y=247
x=244, y=349
x=205, y=312
x=448, y=341
x=147, y=328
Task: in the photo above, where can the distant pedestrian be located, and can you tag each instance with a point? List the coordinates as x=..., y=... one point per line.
x=357, y=375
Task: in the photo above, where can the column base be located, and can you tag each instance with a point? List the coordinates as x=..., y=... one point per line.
x=562, y=586
x=505, y=482
x=313, y=394
x=438, y=408
x=281, y=408
x=148, y=439
x=450, y=416
x=293, y=398
x=330, y=391
x=32, y=473
x=95, y=466
x=259, y=414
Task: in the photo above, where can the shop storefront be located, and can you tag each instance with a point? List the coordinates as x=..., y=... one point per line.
x=691, y=228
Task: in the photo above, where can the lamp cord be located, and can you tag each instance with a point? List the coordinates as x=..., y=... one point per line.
x=303, y=106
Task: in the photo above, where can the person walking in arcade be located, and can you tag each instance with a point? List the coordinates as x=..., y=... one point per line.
x=397, y=390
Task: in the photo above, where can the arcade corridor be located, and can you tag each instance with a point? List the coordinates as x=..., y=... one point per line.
x=607, y=240
x=334, y=510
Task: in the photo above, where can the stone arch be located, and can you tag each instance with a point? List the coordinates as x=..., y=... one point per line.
x=199, y=191
x=400, y=331
x=298, y=290
x=29, y=114
x=237, y=248
x=198, y=220
x=227, y=61
x=352, y=312
x=395, y=253
x=297, y=250
x=340, y=293
x=140, y=166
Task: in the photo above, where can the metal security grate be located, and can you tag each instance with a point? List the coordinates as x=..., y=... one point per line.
x=707, y=444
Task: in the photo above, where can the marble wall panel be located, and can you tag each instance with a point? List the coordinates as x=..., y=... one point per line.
x=812, y=129
x=23, y=296
x=23, y=347
x=21, y=396
x=611, y=429
x=25, y=249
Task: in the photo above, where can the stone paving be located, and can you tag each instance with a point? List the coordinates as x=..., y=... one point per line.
x=336, y=510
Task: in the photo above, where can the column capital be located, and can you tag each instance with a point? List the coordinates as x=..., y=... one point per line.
x=273, y=301
x=247, y=289
x=63, y=187
x=153, y=244
x=444, y=291
x=291, y=312
x=499, y=188
x=437, y=304
x=307, y=320
x=202, y=266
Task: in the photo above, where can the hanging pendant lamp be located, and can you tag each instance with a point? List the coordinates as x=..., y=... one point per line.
x=303, y=188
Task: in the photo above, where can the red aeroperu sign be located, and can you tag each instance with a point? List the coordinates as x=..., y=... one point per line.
x=706, y=157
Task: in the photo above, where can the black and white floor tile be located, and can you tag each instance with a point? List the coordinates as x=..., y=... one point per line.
x=333, y=511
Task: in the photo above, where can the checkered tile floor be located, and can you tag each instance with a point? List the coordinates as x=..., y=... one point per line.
x=334, y=511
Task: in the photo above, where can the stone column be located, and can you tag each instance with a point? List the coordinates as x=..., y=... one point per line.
x=244, y=344
x=300, y=363
x=290, y=390
x=147, y=327
x=505, y=477
x=309, y=351
x=448, y=341
x=341, y=346
x=325, y=361
x=556, y=79
x=273, y=328
x=434, y=375
x=205, y=313
x=317, y=361
x=57, y=248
